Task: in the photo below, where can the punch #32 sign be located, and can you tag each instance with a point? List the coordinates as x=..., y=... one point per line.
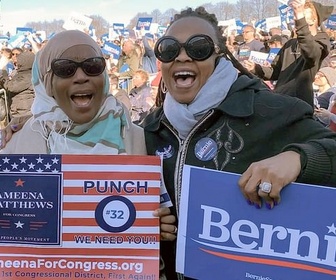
x=79, y=217
x=222, y=237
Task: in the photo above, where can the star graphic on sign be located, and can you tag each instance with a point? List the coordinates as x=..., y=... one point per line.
x=47, y=166
x=55, y=160
x=6, y=160
x=332, y=229
x=23, y=160
x=19, y=183
x=31, y=165
x=39, y=160
x=19, y=224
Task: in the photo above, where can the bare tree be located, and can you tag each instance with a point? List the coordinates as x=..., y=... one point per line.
x=156, y=15
x=100, y=25
x=224, y=10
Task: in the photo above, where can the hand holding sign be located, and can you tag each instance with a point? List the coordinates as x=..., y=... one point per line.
x=249, y=65
x=298, y=8
x=279, y=171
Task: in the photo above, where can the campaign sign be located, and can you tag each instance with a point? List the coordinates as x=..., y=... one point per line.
x=162, y=30
x=144, y=22
x=221, y=236
x=273, y=22
x=286, y=16
x=331, y=22
x=261, y=24
x=258, y=57
x=79, y=217
x=112, y=49
x=118, y=27
x=77, y=22
x=272, y=54
x=17, y=40
x=23, y=30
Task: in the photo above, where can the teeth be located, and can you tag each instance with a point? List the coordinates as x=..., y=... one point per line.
x=184, y=73
x=79, y=95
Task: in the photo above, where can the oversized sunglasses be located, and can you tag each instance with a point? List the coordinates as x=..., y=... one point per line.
x=198, y=47
x=66, y=68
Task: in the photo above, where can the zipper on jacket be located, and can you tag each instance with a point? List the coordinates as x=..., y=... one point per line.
x=180, y=159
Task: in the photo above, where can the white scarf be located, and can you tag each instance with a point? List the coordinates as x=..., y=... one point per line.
x=183, y=117
x=102, y=135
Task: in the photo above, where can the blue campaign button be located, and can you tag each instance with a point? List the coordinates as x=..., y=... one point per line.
x=206, y=149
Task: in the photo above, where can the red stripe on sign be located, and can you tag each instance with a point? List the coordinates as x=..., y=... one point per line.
x=108, y=251
x=74, y=175
x=92, y=222
x=128, y=190
x=113, y=160
x=151, y=206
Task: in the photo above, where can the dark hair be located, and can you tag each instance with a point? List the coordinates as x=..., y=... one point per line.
x=201, y=12
x=160, y=96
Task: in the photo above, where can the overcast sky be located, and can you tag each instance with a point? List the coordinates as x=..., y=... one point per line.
x=15, y=13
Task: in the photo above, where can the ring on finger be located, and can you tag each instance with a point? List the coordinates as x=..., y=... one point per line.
x=266, y=187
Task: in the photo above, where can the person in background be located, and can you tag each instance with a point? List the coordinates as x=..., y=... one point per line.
x=119, y=93
x=325, y=106
x=148, y=59
x=6, y=64
x=19, y=88
x=140, y=96
x=325, y=80
x=328, y=116
x=286, y=34
x=15, y=52
x=275, y=42
x=210, y=96
x=128, y=62
x=250, y=43
x=298, y=61
x=332, y=59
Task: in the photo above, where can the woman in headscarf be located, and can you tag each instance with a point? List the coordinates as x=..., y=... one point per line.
x=72, y=110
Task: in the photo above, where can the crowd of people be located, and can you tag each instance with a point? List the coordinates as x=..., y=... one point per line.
x=301, y=51
x=205, y=87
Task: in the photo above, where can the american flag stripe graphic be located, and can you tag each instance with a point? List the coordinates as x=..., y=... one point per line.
x=100, y=169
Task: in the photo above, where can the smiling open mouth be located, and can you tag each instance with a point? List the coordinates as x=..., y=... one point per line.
x=82, y=99
x=184, y=78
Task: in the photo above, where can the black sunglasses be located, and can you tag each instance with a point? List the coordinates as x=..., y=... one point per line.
x=198, y=47
x=66, y=68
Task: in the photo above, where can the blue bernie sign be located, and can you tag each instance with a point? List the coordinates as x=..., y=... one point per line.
x=222, y=237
